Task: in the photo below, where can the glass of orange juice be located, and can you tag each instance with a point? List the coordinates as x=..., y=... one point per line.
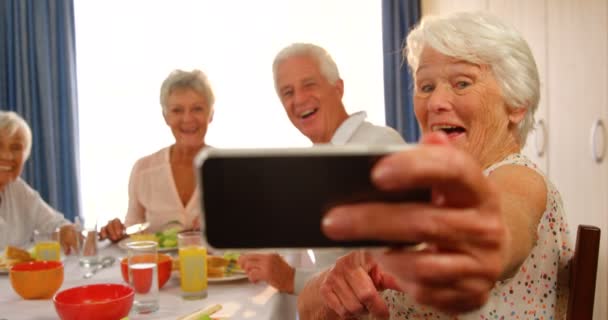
x=192, y=265
x=47, y=246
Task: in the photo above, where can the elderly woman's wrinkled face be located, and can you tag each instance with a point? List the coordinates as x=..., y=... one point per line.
x=12, y=156
x=464, y=100
x=188, y=115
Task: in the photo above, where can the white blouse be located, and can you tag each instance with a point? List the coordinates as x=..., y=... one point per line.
x=22, y=211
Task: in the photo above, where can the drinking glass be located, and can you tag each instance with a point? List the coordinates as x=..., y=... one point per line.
x=143, y=275
x=87, y=244
x=192, y=265
x=47, y=246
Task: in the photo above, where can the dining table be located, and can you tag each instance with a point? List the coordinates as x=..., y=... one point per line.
x=240, y=299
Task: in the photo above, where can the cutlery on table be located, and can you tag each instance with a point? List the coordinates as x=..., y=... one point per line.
x=105, y=263
x=137, y=228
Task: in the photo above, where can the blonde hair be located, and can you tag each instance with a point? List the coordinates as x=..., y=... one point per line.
x=179, y=79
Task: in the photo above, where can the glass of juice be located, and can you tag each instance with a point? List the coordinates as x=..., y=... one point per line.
x=46, y=247
x=192, y=265
x=143, y=275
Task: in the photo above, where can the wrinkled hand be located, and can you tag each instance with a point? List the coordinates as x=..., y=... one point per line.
x=68, y=237
x=350, y=288
x=114, y=231
x=269, y=267
x=463, y=226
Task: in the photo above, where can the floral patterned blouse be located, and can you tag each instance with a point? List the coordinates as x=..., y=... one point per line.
x=539, y=290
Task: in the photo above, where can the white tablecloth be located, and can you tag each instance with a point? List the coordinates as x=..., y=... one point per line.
x=239, y=299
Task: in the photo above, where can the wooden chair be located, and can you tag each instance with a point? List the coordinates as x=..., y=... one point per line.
x=583, y=270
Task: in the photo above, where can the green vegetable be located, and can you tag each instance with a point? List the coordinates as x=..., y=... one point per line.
x=169, y=243
x=205, y=317
x=168, y=238
x=231, y=255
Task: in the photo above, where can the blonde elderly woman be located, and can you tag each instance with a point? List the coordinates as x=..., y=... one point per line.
x=495, y=232
x=22, y=210
x=162, y=186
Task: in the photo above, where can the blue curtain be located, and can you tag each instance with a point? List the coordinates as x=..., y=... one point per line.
x=38, y=81
x=398, y=17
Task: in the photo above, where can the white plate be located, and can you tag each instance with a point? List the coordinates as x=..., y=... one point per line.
x=232, y=277
x=123, y=245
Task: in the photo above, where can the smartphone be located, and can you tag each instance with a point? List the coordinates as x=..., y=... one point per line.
x=276, y=198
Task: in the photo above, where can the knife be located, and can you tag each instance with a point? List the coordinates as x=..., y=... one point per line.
x=137, y=228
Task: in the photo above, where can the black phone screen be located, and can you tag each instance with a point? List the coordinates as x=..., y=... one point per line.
x=278, y=201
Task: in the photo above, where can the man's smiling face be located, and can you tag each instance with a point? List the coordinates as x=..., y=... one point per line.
x=311, y=102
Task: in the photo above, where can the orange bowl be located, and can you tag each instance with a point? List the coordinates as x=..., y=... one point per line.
x=36, y=279
x=163, y=264
x=97, y=301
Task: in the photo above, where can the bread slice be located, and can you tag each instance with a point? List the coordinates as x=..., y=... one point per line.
x=17, y=254
x=217, y=262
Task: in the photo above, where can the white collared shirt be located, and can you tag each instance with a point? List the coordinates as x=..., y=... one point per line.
x=347, y=129
x=355, y=130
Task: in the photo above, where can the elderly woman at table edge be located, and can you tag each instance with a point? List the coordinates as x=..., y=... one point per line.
x=495, y=231
x=308, y=83
x=162, y=186
x=22, y=210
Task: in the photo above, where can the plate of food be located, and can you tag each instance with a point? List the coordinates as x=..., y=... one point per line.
x=167, y=239
x=11, y=256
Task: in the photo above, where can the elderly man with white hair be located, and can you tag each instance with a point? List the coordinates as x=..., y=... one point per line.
x=309, y=86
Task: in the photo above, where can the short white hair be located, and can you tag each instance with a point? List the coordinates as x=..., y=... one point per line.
x=179, y=79
x=13, y=123
x=481, y=38
x=326, y=63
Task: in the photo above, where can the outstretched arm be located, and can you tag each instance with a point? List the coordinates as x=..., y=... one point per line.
x=463, y=226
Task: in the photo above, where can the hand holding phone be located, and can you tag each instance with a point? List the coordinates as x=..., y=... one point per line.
x=275, y=198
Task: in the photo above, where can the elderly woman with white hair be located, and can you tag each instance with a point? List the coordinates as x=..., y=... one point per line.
x=162, y=186
x=476, y=91
x=22, y=210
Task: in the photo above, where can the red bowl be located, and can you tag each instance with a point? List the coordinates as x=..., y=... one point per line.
x=36, y=279
x=96, y=301
x=164, y=264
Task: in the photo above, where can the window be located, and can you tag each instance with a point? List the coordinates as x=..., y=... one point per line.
x=124, y=52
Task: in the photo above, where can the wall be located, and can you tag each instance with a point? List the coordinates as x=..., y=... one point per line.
x=124, y=55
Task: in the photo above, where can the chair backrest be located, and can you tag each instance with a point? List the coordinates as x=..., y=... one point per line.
x=583, y=270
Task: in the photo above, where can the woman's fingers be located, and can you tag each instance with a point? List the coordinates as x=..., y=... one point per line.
x=367, y=293
x=114, y=231
x=448, y=169
x=413, y=223
x=67, y=237
x=348, y=288
x=347, y=297
x=439, y=269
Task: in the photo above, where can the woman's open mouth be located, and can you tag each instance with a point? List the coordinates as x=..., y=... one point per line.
x=450, y=130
